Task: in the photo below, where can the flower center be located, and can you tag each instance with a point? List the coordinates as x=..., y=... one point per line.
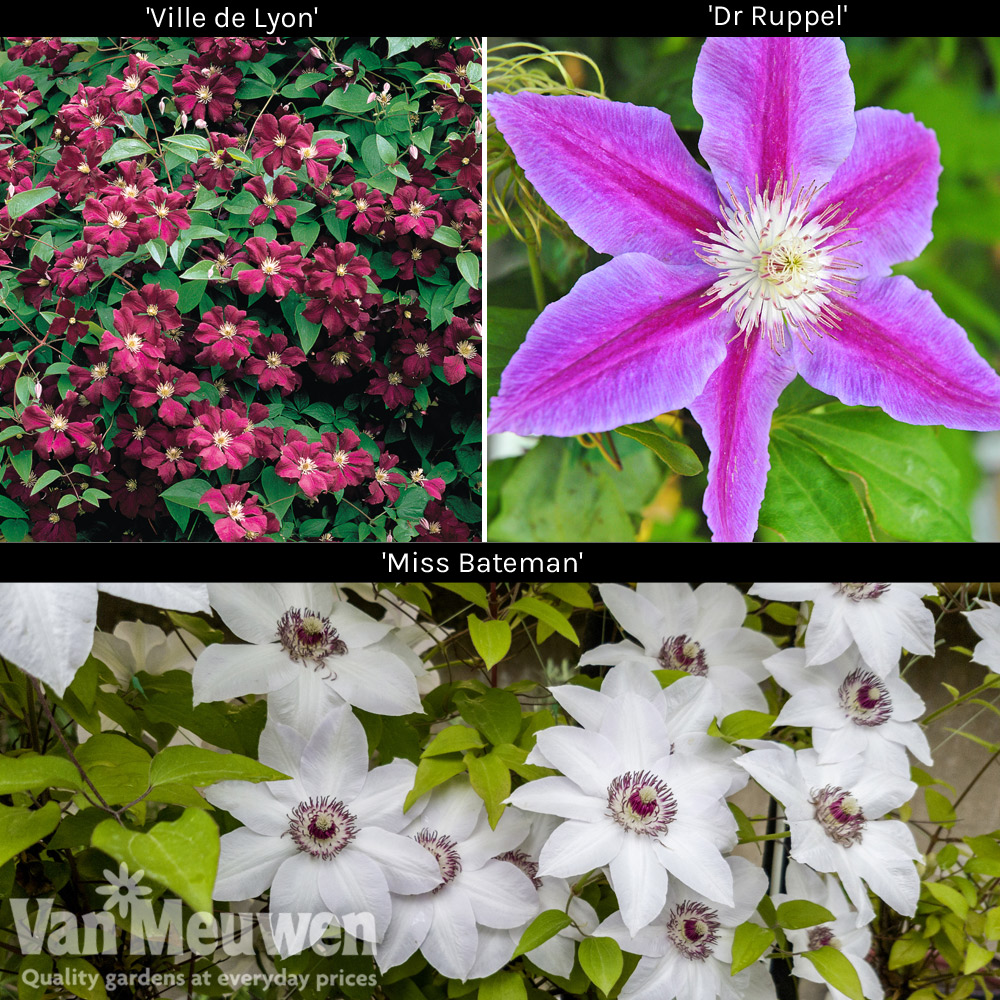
x=78, y=264
x=445, y=853
x=780, y=266
x=235, y=511
x=865, y=699
x=165, y=390
x=840, y=815
x=99, y=371
x=524, y=862
x=422, y=350
x=117, y=220
x=394, y=378
x=466, y=349
x=642, y=803
x=693, y=930
x=280, y=140
x=416, y=209
x=322, y=827
x=340, y=457
x=173, y=453
x=54, y=518
x=270, y=200
x=133, y=342
x=270, y=266
x=306, y=635
x=162, y=210
x=680, y=652
x=273, y=360
x=138, y=433
x=362, y=204
x=58, y=422
x=341, y=358
x=862, y=591
x=131, y=485
x=131, y=82
x=306, y=464
x=204, y=93
x=821, y=936
x=222, y=439
x=227, y=330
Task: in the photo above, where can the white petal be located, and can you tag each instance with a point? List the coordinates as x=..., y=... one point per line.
x=47, y=629
x=356, y=628
x=451, y=943
x=639, y=881
x=500, y=893
x=380, y=801
x=558, y=796
x=251, y=610
x=697, y=864
x=576, y=848
x=294, y=888
x=408, y=867
x=585, y=757
x=493, y=952
x=253, y=805
x=376, y=680
x=353, y=884
x=583, y=703
x=411, y=919
x=248, y=862
x=335, y=760
x=636, y=730
x=229, y=671
x=175, y=596
x=720, y=606
x=635, y=614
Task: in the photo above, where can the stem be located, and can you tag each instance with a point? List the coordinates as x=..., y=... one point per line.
x=537, y=282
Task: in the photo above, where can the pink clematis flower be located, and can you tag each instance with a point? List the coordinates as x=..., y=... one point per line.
x=243, y=516
x=791, y=235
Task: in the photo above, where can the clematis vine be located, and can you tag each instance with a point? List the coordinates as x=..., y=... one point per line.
x=725, y=284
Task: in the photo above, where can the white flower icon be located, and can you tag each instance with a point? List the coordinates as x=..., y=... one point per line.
x=123, y=890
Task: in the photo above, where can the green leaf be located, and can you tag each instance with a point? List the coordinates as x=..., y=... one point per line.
x=411, y=503
x=116, y=766
x=125, y=149
x=546, y=925
x=835, y=967
x=491, y=639
x=798, y=913
x=746, y=725
x=675, y=454
x=182, y=855
x=156, y=249
x=939, y=809
x=204, y=270
x=403, y=44
x=750, y=941
x=949, y=897
x=198, y=766
x=991, y=928
x=976, y=957
x=503, y=986
x=187, y=493
x=601, y=959
x=81, y=978
x=10, y=509
x=447, y=236
x=474, y=593
x=431, y=772
x=27, y=200
x=907, y=951
x=548, y=614
x=490, y=779
x=21, y=827
x=31, y=773
x=906, y=475
x=495, y=713
x=40, y=964
x=307, y=233
x=453, y=739
x=468, y=267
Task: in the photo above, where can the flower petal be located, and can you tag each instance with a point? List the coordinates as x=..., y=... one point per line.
x=248, y=862
x=576, y=847
x=228, y=671
x=639, y=881
x=617, y=173
x=629, y=341
x=450, y=944
x=889, y=186
x=773, y=108
x=896, y=349
x=500, y=893
x=735, y=416
x=408, y=868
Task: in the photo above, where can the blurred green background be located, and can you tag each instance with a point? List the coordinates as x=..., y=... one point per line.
x=567, y=492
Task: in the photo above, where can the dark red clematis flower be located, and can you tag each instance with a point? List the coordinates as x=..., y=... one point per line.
x=338, y=273
x=49, y=51
x=271, y=194
x=36, y=282
x=366, y=207
x=114, y=223
x=464, y=160
x=60, y=436
x=413, y=211
x=390, y=386
x=134, y=491
x=352, y=464
x=385, y=486
x=317, y=154
x=69, y=321
x=277, y=141
x=307, y=463
x=277, y=267
x=136, y=85
x=96, y=382
x=15, y=164
x=165, y=386
x=421, y=350
x=129, y=181
x=418, y=256
x=227, y=333
x=434, y=487
x=244, y=520
x=93, y=117
x=164, y=215
x=344, y=357
x=132, y=431
x=233, y=49
x=78, y=174
x=154, y=309
x=226, y=257
x=50, y=522
x=450, y=105
x=221, y=438
x=205, y=97
x=74, y=270
x=440, y=525
x=274, y=366
x=215, y=170
x=163, y=452
x=136, y=351
x=25, y=90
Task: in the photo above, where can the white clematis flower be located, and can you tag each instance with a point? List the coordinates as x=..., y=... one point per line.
x=985, y=621
x=852, y=710
x=687, y=949
x=136, y=646
x=880, y=618
x=687, y=706
x=474, y=891
x=634, y=807
x=310, y=653
x=328, y=842
x=697, y=631
x=843, y=934
x=47, y=629
x=833, y=813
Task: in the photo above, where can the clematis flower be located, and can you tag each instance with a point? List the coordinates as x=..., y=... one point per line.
x=47, y=629
x=476, y=890
x=687, y=949
x=834, y=814
x=697, y=631
x=842, y=934
x=881, y=618
x=327, y=842
x=792, y=236
x=633, y=805
x=985, y=621
x=309, y=653
x=852, y=710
